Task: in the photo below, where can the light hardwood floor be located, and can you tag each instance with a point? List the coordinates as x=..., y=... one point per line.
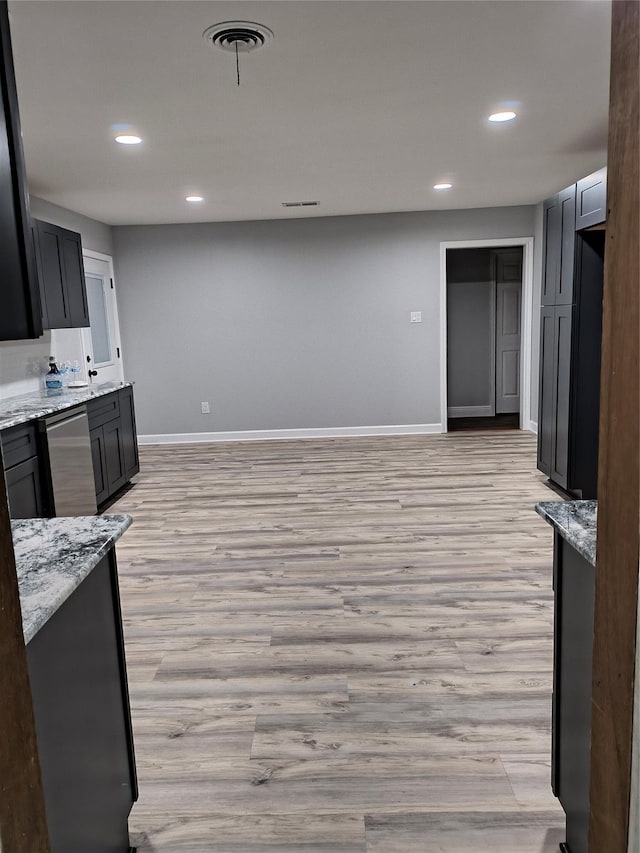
x=341, y=646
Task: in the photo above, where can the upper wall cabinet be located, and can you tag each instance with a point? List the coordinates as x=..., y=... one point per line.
x=20, y=316
x=61, y=274
x=559, y=225
x=591, y=200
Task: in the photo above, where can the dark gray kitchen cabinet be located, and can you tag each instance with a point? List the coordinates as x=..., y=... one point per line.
x=82, y=716
x=23, y=472
x=555, y=391
x=20, y=317
x=563, y=320
x=551, y=237
x=547, y=389
x=114, y=455
x=129, y=434
x=60, y=267
x=570, y=337
x=567, y=201
x=574, y=596
x=569, y=389
x=591, y=200
x=114, y=446
x=108, y=461
x=98, y=458
x=559, y=215
x=24, y=490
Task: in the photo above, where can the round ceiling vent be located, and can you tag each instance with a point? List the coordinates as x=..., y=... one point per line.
x=241, y=36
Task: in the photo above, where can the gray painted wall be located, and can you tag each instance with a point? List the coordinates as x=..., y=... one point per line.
x=291, y=323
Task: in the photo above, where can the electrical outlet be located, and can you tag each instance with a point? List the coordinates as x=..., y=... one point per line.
x=416, y=316
x=205, y=408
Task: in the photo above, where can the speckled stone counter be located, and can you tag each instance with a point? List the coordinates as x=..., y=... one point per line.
x=576, y=522
x=53, y=557
x=28, y=407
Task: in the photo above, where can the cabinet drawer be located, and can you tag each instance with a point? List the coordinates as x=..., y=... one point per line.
x=19, y=444
x=103, y=410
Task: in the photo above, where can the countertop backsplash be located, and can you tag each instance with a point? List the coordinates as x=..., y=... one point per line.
x=23, y=363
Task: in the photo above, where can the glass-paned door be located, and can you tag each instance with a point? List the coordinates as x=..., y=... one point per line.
x=101, y=340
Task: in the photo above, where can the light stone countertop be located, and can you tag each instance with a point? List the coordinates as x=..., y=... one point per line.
x=54, y=556
x=576, y=522
x=37, y=404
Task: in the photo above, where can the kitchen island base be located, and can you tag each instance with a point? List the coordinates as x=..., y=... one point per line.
x=83, y=723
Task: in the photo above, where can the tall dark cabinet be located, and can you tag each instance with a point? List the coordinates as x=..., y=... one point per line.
x=20, y=316
x=570, y=335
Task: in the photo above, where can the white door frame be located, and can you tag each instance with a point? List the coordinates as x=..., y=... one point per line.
x=108, y=259
x=526, y=318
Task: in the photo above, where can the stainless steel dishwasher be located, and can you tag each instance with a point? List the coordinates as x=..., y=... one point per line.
x=69, y=448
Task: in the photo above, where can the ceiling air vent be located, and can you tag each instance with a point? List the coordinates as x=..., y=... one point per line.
x=238, y=36
x=300, y=203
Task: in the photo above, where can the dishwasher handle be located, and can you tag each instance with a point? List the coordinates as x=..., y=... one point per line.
x=66, y=415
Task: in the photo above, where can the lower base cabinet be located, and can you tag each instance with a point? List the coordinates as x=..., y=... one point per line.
x=23, y=472
x=108, y=461
x=574, y=586
x=114, y=452
x=24, y=490
x=114, y=447
x=83, y=722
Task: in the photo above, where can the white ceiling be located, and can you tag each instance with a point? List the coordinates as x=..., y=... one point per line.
x=362, y=105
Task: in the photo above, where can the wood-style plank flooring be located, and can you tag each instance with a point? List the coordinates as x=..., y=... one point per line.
x=341, y=646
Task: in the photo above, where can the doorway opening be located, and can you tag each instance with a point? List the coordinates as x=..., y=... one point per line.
x=484, y=296
x=495, y=243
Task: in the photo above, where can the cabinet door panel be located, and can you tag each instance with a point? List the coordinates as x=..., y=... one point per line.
x=113, y=455
x=81, y=710
x=562, y=407
x=24, y=490
x=592, y=200
x=574, y=639
x=129, y=437
x=20, y=316
x=99, y=464
x=74, y=278
x=564, y=295
x=53, y=290
x=546, y=414
x=551, y=237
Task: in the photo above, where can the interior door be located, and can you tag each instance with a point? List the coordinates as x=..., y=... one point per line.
x=101, y=340
x=508, y=274
x=508, y=297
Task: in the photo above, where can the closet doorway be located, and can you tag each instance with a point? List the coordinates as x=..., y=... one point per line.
x=485, y=328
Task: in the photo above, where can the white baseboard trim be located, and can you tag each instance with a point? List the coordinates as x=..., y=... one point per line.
x=470, y=412
x=533, y=427
x=288, y=434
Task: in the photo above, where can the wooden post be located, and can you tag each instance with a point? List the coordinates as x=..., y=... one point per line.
x=23, y=825
x=618, y=483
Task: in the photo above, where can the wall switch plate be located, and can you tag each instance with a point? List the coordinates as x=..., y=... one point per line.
x=205, y=408
x=416, y=316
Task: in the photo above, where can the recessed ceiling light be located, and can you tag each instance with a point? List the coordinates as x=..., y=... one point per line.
x=128, y=139
x=443, y=186
x=194, y=198
x=507, y=115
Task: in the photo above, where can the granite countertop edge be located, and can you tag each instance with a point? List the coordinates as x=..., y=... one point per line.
x=29, y=407
x=54, y=556
x=576, y=522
